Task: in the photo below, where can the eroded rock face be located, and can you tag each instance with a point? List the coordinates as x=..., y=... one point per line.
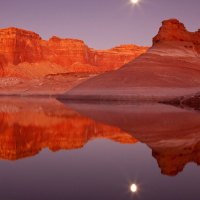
x=116, y=57
x=65, y=52
x=19, y=46
x=173, y=30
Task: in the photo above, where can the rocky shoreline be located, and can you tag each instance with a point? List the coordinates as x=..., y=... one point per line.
x=192, y=101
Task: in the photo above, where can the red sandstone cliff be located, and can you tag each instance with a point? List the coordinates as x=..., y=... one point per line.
x=27, y=51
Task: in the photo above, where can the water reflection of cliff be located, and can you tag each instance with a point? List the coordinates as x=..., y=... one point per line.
x=172, y=133
x=29, y=125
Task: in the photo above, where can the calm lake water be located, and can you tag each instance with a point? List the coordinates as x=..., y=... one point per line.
x=51, y=150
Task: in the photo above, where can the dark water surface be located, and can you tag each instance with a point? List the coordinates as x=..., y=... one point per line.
x=55, y=151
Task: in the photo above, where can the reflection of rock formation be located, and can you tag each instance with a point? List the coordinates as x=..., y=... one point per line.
x=173, y=30
x=172, y=133
x=172, y=160
x=28, y=126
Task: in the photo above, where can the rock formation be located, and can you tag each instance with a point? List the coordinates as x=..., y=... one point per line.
x=173, y=160
x=25, y=54
x=170, y=68
x=173, y=30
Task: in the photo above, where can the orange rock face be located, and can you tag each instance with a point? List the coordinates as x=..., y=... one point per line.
x=65, y=52
x=19, y=46
x=173, y=30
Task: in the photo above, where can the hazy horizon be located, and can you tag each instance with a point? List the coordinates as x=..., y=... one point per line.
x=100, y=24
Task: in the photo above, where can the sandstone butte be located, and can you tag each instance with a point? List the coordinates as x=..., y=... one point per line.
x=26, y=130
x=170, y=68
x=25, y=54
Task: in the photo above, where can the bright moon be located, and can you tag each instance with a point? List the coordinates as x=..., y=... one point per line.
x=133, y=188
x=134, y=1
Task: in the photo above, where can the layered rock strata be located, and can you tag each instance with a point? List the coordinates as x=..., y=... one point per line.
x=25, y=54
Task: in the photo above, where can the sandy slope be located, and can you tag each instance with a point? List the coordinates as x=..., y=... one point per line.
x=163, y=71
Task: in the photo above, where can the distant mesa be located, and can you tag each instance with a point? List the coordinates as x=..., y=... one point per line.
x=170, y=68
x=50, y=124
x=25, y=54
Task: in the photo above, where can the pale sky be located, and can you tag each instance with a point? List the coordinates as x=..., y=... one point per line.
x=100, y=23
